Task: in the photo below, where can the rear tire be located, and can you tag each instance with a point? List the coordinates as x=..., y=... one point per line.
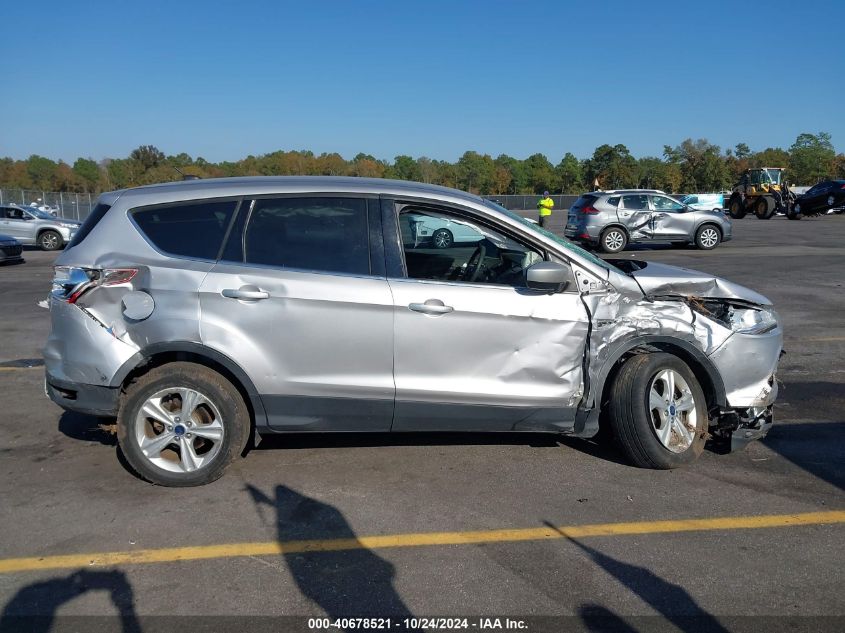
x=169, y=445
x=613, y=240
x=442, y=238
x=707, y=237
x=657, y=396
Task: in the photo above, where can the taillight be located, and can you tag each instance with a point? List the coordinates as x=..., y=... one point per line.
x=842, y=187
x=590, y=211
x=70, y=283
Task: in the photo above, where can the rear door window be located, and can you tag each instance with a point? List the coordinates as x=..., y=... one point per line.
x=584, y=201
x=192, y=229
x=636, y=202
x=323, y=234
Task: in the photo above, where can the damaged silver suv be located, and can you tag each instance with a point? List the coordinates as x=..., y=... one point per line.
x=206, y=314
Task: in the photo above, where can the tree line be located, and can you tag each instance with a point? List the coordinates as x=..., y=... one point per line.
x=691, y=166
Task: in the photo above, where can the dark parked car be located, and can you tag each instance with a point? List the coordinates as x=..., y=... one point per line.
x=820, y=198
x=10, y=249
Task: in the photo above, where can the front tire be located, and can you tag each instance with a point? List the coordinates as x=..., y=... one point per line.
x=50, y=241
x=707, y=237
x=764, y=208
x=182, y=424
x=657, y=412
x=613, y=240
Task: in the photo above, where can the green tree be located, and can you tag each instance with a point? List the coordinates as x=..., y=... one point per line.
x=476, y=172
x=742, y=151
x=570, y=177
x=42, y=172
x=811, y=158
x=148, y=156
x=404, y=168
x=701, y=165
x=88, y=172
x=540, y=173
x=613, y=167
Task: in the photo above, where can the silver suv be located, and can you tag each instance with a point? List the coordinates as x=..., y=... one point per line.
x=204, y=314
x=613, y=219
x=31, y=225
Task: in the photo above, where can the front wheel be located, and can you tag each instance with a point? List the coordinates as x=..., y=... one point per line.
x=613, y=240
x=707, y=237
x=657, y=412
x=764, y=208
x=182, y=424
x=49, y=241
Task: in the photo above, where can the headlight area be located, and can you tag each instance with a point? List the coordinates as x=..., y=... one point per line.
x=739, y=316
x=747, y=362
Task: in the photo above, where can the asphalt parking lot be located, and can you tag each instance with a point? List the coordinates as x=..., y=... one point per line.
x=444, y=525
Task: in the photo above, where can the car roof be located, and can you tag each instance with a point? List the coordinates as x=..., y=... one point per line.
x=257, y=185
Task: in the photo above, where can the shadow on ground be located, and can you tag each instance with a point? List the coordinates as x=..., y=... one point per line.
x=349, y=582
x=33, y=609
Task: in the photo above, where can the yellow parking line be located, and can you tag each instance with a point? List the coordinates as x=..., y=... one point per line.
x=271, y=548
x=21, y=368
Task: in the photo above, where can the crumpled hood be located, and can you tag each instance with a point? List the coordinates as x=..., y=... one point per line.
x=662, y=279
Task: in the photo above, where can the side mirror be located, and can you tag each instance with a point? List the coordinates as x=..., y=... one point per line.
x=550, y=277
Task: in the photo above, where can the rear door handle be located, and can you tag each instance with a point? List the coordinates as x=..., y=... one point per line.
x=432, y=306
x=248, y=293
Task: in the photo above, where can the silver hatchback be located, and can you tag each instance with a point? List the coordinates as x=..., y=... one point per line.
x=613, y=219
x=204, y=314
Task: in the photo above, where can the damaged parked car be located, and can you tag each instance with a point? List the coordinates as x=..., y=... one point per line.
x=237, y=308
x=610, y=220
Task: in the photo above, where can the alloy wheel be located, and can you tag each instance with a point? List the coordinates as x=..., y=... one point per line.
x=672, y=410
x=179, y=430
x=709, y=238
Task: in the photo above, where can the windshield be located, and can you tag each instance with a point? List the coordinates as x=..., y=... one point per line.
x=536, y=228
x=38, y=213
x=774, y=175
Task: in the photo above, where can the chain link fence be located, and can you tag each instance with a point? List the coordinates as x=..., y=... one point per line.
x=74, y=206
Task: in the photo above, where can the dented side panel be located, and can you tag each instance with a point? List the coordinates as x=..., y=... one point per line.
x=499, y=348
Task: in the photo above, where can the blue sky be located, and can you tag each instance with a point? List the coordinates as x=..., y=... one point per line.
x=223, y=80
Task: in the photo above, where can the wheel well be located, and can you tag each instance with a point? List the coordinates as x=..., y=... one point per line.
x=702, y=374
x=45, y=229
x=616, y=226
x=163, y=358
x=713, y=224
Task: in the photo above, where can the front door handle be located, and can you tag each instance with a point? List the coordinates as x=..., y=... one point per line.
x=248, y=293
x=432, y=306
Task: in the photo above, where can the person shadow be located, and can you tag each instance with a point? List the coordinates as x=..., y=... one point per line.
x=33, y=608
x=347, y=582
x=671, y=601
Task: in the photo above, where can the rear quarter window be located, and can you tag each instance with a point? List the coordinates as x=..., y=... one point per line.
x=97, y=214
x=584, y=201
x=194, y=229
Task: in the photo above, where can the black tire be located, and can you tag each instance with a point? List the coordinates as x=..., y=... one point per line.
x=736, y=209
x=234, y=420
x=764, y=208
x=792, y=214
x=613, y=240
x=707, y=237
x=631, y=419
x=49, y=241
x=442, y=238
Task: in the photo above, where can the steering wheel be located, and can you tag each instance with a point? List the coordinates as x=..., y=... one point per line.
x=474, y=263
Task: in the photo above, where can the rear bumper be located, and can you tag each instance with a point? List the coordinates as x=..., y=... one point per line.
x=89, y=399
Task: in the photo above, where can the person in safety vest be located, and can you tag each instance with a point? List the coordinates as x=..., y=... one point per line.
x=545, y=206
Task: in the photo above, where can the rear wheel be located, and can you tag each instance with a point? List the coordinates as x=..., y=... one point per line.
x=764, y=208
x=736, y=208
x=442, y=238
x=657, y=411
x=613, y=240
x=182, y=424
x=707, y=237
x=49, y=241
